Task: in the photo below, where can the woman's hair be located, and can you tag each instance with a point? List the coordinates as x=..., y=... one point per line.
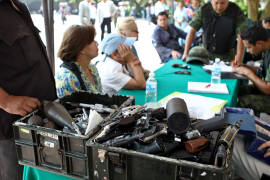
x=74, y=40
x=125, y=25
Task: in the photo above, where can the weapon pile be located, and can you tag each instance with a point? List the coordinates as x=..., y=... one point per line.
x=169, y=132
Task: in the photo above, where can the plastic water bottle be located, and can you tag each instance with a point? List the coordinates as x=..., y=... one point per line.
x=216, y=72
x=151, y=91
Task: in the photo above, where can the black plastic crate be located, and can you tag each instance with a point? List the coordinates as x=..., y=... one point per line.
x=120, y=162
x=54, y=150
x=114, y=163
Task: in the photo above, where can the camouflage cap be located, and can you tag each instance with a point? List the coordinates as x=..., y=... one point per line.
x=198, y=54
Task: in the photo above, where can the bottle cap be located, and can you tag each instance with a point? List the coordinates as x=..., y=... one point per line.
x=151, y=74
x=217, y=60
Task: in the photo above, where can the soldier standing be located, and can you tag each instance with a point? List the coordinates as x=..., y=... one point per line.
x=221, y=21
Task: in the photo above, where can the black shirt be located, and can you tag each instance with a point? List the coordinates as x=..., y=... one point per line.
x=268, y=32
x=24, y=65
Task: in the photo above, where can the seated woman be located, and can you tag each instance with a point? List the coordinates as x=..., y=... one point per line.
x=77, y=49
x=119, y=69
x=128, y=28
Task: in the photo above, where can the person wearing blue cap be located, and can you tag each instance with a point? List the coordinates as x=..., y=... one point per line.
x=119, y=69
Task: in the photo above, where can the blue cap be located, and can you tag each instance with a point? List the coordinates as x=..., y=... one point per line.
x=112, y=41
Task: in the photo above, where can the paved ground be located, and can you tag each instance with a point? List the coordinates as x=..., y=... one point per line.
x=145, y=49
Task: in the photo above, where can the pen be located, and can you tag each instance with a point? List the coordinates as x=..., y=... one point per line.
x=208, y=85
x=235, y=63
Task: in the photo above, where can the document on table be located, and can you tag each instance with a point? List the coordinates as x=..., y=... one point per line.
x=202, y=87
x=198, y=106
x=226, y=72
x=223, y=67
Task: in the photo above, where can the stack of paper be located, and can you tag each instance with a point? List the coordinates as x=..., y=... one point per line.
x=199, y=107
x=202, y=87
x=223, y=67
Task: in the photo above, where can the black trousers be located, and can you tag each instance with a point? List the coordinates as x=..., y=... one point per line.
x=93, y=21
x=105, y=22
x=9, y=167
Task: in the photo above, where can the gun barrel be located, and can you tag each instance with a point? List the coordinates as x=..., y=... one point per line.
x=122, y=140
x=229, y=134
x=221, y=154
x=98, y=108
x=106, y=129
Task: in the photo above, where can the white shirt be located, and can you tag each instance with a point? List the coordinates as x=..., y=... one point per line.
x=114, y=76
x=93, y=12
x=181, y=16
x=160, y=7
x=105, y=10
x=84, y=12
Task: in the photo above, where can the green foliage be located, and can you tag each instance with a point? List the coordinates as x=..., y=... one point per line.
x=243, y=5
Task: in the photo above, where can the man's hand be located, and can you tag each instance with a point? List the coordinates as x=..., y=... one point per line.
x=232, y=63
x=125, y=53
x=242, y=70
x=20, y=105
x=175, y=54
x=184, y=57
x=263, y=146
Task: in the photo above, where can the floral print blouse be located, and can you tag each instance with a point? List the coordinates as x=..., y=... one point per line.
x=67, y=82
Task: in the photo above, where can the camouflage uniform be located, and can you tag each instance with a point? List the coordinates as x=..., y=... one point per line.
x=197, y=23
x=251, y=97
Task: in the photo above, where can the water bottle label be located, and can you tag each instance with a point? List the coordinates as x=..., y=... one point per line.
x=150, y=87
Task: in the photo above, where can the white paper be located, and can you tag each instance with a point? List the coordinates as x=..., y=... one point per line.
x=202, y=87
x=93, y=120
x=199, y=107
x=223, y=67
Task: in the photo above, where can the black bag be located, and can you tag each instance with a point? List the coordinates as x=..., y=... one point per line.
x=74, y=69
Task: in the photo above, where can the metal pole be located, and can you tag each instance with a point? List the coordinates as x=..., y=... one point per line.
x=49, y=32
x=51, y=20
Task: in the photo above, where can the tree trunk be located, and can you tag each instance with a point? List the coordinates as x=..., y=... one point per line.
x=253, y=6
x=266, y=11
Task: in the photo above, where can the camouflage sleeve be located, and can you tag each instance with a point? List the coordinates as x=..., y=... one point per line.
x=196, y=22
x=240, y=22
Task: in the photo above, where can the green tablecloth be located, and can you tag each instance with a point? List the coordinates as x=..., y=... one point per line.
x=36, y=174
x=168, y=82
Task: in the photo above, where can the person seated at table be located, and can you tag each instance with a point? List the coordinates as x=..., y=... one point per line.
x=77, y=49
x=165, y=39
x=256, y=96
x=120, y=68
x=128, y=28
